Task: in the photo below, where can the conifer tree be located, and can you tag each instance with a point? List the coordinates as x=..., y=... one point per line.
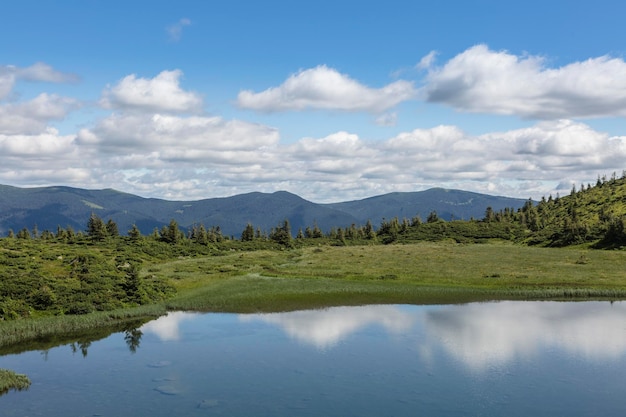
x=248, y=233
x=134, y=233
x=112, y=229
x=96, y=229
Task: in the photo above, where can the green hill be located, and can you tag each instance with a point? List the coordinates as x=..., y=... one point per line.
x=594, y=215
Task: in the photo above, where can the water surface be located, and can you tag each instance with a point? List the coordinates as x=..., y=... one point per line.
x=486, y=359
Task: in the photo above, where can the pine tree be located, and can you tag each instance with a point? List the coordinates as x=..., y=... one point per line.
x=432, y=217
x=248, y=233
x=134, y=233
x=282, y=234
x=369, y=231
x=112, y=229
x=96, y=228
x=201, y=235
x=170, y=233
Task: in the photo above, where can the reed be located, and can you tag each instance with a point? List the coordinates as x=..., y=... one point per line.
x=52, y=330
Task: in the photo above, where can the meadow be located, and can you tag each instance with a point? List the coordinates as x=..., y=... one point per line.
x=418, y=273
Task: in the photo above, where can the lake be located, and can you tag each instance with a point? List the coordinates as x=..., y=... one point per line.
x=484, y=359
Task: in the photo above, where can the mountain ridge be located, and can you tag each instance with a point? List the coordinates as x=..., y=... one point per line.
x=50, y=207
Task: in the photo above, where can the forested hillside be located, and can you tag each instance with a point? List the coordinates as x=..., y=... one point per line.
x=594, y=214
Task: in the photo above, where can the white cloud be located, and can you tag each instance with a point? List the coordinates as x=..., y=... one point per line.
x=175, y=31
x=159, y=94
x=325, y=88
x=485, y=81
x=174, y=138
x=10, y=74
x=7, y=81
x=427, y=61
x=387, y=119
x=32, y=117
x=163, y=154
x=198, y=157
x=45, y=146
x=45, y=73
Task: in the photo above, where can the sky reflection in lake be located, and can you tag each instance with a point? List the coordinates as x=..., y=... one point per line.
x=487, y=359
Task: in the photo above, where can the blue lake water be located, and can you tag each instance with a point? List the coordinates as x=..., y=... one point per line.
x=485, y=359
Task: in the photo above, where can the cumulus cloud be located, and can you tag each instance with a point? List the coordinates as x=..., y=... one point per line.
x=159, y=94
x=326, y=88
x=198, y=157
x=32, y=116
x=177, y=138
x=45, y=146
x=152, y=147
x=486, y=81
x=175, y=31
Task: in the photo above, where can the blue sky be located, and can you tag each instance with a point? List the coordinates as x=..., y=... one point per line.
x=331, y=100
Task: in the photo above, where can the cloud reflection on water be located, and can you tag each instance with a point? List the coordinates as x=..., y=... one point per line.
x=481, y=335
x=478, y=335
x=167, y=328
x=325, y=328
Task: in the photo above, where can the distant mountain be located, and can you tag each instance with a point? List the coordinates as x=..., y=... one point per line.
x=449, y=205
x=49, y=207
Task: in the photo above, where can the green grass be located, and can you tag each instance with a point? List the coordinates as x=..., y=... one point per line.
x=10, y=380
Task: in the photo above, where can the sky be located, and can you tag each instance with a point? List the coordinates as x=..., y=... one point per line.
x=330, y=100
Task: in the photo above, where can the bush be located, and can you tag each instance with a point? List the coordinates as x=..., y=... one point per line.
x=13, y=309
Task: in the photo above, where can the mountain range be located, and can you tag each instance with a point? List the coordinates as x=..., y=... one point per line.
x=50, y=207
